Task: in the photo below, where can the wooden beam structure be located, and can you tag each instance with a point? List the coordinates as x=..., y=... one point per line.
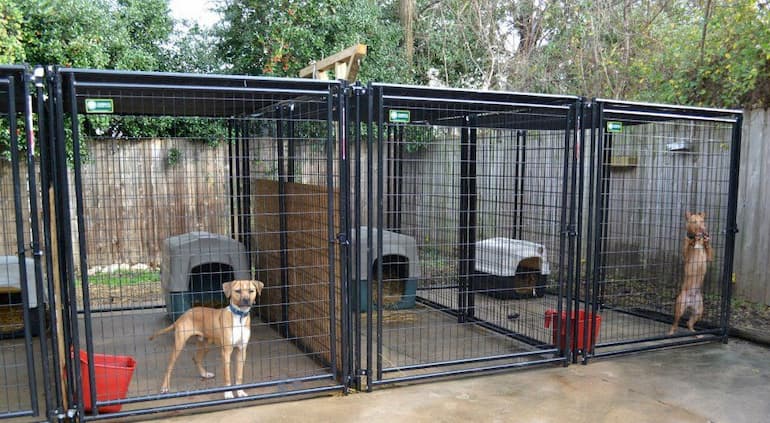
x=344, y=63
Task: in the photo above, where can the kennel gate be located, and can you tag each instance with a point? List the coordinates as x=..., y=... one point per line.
x=437, y=173
x=21, y=274
x=157, y=155
x=649, y=164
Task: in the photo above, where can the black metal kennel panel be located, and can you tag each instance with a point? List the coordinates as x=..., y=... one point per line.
x=23, y=343
x=175, y=185
x=460, y=260
x=651, y=166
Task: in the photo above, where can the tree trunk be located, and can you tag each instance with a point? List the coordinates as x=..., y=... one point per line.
x=406, y=14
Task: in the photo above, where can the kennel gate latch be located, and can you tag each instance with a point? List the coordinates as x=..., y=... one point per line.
x=342, y=239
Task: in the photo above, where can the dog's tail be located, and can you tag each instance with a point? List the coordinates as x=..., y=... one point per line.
x=162, y=331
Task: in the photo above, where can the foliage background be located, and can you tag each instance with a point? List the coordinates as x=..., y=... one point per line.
x=700, y=52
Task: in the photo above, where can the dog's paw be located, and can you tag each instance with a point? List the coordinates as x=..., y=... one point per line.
x=241, y=393
x=229, y=395
x=207, y=375
x=164, y=389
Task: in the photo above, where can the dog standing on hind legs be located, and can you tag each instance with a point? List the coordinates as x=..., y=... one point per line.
x=697, y=254
x=228, y=327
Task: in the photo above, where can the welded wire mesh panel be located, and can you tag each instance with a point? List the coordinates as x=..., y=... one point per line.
x=19, y=354
x=184, y=185
x=655, y=169
x=474, y=199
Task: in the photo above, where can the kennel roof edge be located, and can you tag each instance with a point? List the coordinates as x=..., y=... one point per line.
x=193, y=95
x=497, y=109
x=616, y=109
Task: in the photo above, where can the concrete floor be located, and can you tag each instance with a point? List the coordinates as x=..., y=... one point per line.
x=705, y=383
x=608, y=386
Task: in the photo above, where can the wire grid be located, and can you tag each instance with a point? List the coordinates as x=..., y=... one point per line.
x=519, y=183
x=146, y=180
x=655, y=173
x=15, y=394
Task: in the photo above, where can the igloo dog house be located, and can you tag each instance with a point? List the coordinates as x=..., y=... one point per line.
x=195, y=265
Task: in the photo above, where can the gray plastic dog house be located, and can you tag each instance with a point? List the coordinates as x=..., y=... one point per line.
x=10, y=284
x=401, y=266
x=195, y=265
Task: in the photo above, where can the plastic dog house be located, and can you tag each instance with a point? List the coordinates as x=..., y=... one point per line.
x=508, y=268
x=194, y=266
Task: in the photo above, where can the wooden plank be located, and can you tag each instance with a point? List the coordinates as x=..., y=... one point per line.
x=308, y=261
x=349, y=57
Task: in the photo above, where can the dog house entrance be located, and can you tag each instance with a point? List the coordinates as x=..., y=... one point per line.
x=395, y=272
x=206, y=284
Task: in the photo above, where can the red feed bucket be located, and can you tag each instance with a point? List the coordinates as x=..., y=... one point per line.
x=112, y=375
x=583, y=323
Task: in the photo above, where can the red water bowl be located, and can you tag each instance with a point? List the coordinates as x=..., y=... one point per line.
x=580, y=319
x=112, y=375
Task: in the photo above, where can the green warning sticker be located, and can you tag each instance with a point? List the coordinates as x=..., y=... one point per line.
x=99, y=105
x=614, y=126
x=399, y=116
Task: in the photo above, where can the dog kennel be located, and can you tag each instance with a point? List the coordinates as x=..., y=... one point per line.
x=402, y=233
x=650, y=165
x=449, y=170
x=177, y=183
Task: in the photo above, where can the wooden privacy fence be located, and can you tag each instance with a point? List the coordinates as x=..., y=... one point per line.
x=192, y=199
x=752, y=248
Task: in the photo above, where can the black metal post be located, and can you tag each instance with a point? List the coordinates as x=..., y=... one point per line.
x=35, y=222
x=598, y=205
x=731, y=227
x=382, y=139
x=370, y=204
x=291, y=144
x=329, y=146
x=245, y=192
x=399, y=175
x=519, y=178
x=355, y=290
x=343, y=236
x=232, y=135
x=48, y=176
x=467, y=229
x=283, y=223
x=83, y=250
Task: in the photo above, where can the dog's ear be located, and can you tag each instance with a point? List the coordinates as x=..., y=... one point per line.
x=258, y=286
x=687, y=215
x=226, y=287
x=702, y=214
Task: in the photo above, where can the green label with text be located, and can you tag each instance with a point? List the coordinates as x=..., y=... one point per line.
x=99, y=105
x=399, y=116
x=614, y=126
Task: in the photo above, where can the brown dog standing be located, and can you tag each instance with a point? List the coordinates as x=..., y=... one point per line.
x=229, y=328
x=697, y=252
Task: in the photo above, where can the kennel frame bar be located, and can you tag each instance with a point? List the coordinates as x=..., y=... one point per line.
x=70, y=85
x=600, y=112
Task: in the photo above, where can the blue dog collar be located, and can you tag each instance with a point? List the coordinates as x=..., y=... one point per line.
x=238, y=312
